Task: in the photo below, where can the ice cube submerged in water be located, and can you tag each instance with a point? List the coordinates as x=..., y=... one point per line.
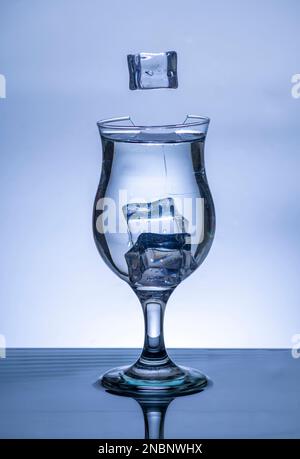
x=159, y=217
x=160, y=255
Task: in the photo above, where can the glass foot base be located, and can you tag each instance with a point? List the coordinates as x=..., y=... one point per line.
x=136, y=381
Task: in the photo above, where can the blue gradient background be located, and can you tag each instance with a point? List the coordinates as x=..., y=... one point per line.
x=65, y=68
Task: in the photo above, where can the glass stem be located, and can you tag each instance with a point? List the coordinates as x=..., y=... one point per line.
x=154, y=350
x=154, y=418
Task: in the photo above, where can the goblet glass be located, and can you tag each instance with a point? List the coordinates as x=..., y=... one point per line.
x=153, y=224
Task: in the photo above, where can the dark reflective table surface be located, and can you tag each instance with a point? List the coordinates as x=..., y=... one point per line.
x=49, y=393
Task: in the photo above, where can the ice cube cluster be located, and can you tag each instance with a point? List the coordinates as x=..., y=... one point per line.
x=160, y=253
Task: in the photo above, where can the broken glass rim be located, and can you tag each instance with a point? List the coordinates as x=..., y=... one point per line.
x=111, y=123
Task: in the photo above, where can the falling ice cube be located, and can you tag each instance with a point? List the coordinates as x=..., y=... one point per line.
x=153, y=70
x=160, y=217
